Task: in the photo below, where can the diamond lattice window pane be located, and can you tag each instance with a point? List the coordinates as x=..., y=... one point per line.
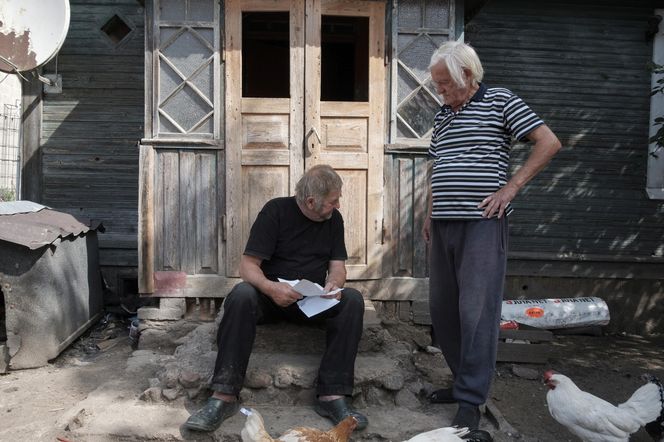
x=419, y=111
x=171, y=10
x=166, y=127
x=406, y=84
x=417, y=56
x=438, y=40
x=165, y=33
x=404, y=40
x=410, y=14
x=206, y=34
x=203, y=81
x=168, y=80
x=403, y=131
x=437, y=14
x=186, y=107
x=187, y=53
x=201, y=10
x=204, y=128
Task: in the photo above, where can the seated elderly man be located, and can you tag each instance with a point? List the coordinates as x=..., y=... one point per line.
x=300, y=237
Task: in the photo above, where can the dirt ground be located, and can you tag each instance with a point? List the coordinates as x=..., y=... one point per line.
x=31, y=401
x=607, y=366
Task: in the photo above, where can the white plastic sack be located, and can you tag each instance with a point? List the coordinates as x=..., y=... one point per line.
x=557, y=312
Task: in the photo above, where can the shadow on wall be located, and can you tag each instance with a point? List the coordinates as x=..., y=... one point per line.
x=591, y=199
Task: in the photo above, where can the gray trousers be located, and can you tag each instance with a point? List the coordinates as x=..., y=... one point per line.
x=466, y=284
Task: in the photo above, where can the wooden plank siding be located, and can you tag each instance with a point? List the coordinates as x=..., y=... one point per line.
x=188, y=191
x=90, y=131
x=406, y=207
x=582, y=66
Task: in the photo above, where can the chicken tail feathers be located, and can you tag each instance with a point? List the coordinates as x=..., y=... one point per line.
x=344, y=429
x=254, y=428
x=647, y=402
x=656, y=428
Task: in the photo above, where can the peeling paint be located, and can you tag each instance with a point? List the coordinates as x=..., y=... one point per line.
x=16, y=48
x=31, y=32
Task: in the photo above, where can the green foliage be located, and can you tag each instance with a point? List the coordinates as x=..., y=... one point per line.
x=7, y=194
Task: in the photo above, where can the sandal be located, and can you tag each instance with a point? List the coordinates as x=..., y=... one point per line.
x=442, y=396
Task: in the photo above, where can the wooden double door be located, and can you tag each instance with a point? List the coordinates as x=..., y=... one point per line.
x=305, y=84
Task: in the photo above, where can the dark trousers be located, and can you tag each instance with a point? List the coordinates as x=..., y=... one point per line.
x=245, y=307
x=466, y=284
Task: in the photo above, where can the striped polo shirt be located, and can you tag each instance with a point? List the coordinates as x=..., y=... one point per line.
x=470, y=149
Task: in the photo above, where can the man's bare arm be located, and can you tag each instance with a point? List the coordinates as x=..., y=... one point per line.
x=281, y=293
x=336, y=276
x=546, y=146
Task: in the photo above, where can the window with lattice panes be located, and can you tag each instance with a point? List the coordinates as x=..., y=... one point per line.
x=187, y=43
x=420, y=27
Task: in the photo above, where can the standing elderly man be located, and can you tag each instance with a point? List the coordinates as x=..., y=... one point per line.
x=467, y=225
x=299, y=237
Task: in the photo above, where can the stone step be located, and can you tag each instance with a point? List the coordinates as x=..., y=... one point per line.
x=283, y=366
x=395, y=369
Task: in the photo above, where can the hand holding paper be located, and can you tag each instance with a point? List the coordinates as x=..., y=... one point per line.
x=315, y=298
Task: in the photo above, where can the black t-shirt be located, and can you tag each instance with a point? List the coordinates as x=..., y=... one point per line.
x=291, y=245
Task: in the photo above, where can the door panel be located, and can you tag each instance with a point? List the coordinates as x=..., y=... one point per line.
x=263, y=131
x=351, y=126
x=186, y=195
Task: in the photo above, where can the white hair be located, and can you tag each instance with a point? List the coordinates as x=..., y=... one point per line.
x=458, y=56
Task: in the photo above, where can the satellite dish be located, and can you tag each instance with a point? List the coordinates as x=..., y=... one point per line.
x=31, y=32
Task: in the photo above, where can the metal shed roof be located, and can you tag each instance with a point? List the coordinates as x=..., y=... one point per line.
x=33, y=225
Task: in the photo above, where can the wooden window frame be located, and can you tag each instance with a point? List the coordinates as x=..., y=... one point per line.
x=396, y=142
x=152, y=64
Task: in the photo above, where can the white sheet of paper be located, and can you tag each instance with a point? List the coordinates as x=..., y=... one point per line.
x=313, y=302
x=308, y=288
x=313, y=305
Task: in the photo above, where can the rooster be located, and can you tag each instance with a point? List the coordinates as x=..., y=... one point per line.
x=596, y=420
x=254, y=431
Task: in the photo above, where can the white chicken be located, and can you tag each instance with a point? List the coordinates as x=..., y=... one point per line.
x=596, y=420
x=254, y=431
x=445, y=434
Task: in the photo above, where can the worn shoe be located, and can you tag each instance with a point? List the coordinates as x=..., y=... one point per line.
x=442, y=396
x=210, y=417
x=468, y=417
x=338, y=409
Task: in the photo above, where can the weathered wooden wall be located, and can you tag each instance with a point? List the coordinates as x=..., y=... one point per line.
x=90, y=131
x=584, y=226
x=406, y=207
x=583, y=67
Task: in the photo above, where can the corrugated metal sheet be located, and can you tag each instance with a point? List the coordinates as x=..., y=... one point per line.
x=583, y=67
x=14, y=207
x=35, y=229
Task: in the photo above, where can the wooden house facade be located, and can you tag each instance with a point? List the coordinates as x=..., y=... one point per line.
x=178, y=119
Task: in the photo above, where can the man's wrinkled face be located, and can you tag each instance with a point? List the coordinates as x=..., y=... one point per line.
x=324, y=207
x=453, y=95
